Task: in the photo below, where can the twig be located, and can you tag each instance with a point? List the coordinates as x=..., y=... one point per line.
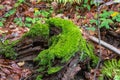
x=103, y=43
x=99, y=40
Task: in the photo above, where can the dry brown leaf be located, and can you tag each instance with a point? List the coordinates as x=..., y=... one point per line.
x=21, y=63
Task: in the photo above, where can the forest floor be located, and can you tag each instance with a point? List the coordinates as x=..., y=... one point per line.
x=16, y=20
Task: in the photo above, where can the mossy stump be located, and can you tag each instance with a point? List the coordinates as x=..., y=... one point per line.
x=56, y=44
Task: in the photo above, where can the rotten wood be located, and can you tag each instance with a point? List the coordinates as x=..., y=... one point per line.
x=70, y=69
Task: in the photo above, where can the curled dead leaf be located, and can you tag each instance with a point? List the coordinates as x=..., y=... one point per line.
x=21, y=63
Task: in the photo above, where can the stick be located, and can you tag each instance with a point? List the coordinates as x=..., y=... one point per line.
x=108, y=46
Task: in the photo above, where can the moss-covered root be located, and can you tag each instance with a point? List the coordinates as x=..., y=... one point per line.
x=63, y=46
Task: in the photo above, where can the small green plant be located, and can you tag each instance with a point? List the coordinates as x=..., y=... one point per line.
x=104, y=19
x=19, y=21
x=2, y=20
x=10, y=12
x=111, y=69
x=29, y=21
x=87, y=4
x=1, y=24
x=19, y=2
x=116, y=16
x=44, y=13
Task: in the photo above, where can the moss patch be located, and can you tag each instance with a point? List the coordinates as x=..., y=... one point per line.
x=38, y=30
x=7, y=49
x=62, y=46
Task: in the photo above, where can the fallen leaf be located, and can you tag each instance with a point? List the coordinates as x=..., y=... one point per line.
x=21, y=63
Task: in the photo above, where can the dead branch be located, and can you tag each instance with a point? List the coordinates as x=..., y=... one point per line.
x=103, y=43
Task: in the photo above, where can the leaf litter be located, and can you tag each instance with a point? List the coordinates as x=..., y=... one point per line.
x=11, y=70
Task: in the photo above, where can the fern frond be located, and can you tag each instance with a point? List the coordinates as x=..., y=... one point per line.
x=111, y=69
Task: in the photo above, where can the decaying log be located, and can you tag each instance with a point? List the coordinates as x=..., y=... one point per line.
x=70, y=69
x=28, y=49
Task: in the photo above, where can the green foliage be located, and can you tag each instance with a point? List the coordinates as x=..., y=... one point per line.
x=87, y=4
x=19, y=2
x=29, y=21
x=10, y=12
x=1, y=24
x=116, y=18
x=105, y=23
x=44, y=13
x=106, y=14
x=19, y=21
x=104, y=20
x=7, y=49
x=2, y=20
x=83, y=3
x=111, y=69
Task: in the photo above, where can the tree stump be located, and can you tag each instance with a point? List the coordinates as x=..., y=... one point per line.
x=56, y=47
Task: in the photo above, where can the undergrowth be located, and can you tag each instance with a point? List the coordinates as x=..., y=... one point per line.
x=111, y=69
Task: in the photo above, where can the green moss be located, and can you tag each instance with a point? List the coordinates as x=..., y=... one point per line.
x=39, y=77
x=61, y=47
x=7, y=49
x=38, y=30
x=54, y=69
x=87, y=51
x=64, y=45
